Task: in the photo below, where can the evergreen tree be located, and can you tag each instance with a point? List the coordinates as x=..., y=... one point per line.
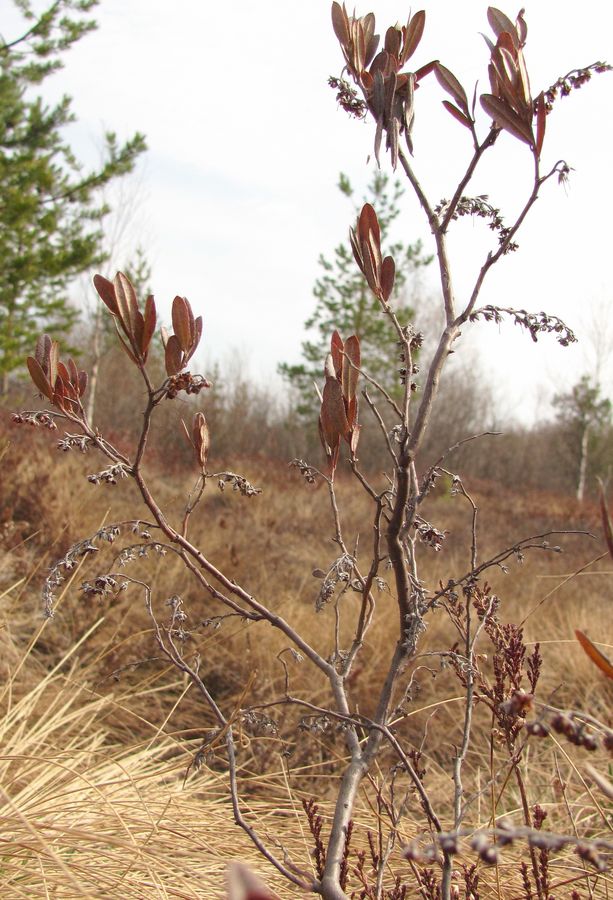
x=50, y=211
x=344, y=302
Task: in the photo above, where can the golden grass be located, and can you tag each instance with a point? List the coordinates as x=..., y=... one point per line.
x=97, y=733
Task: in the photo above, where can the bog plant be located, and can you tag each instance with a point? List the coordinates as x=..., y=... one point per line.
x=444, y=859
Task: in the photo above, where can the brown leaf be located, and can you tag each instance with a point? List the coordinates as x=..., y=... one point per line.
x=499, y=23
x=336, y=351
x=83, y=379
x=425, y=70
x=388, y=275
x=52, y=361
x=351, y=365
x=333, y=415
x=450, y=83
x=524, y=81
x=507, y=118
x=41, y=353
x=355, y=246
x=455, y=112
x=413, y=35
x=173, y=356
x=368, y=222
x=73, y=371
x=106, y=292
x=63, y=373
x=369, y=268
x=183, y=323
x=201, y=438
x=149, y=328
x=38, y=377
x=340, y=24
x=392, y=41
x=598, y=658
x=123, y=343
x=521, y=27
x=126, y=304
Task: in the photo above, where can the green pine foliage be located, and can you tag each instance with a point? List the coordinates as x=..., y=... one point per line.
x=50, y=213
x=344, y=302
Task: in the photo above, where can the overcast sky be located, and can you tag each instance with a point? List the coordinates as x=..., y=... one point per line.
x=237, y=193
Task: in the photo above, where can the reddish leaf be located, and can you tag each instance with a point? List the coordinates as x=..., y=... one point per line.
x=455, y=112
x=450, y=83
x=126, y=304
x=183, y=323
x=322, y=437
x=392, y=41
x=63, y=373
x=106, y=291
x=521, y=27
x=52, y=361
x=73, y=372
x=369, y=268
x=368, y=222
x=355, y=246
x=413, y=35
x=149, y=327
x=333, y=415
x=340, y=24
x=507, y=118
x=124, y=345
x=524, y=81
x=355, y=437
x=388, y=275
x=541, y=122
x=82, y=383
x=425, y=70
x=38, y=377
x=499, y=23
x=598, y=658
x=371, y=49
x=336, y=351
x=351, y=365
x=139, y=330
x=173, y=356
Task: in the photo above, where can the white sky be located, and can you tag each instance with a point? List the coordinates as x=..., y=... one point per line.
x=246, y=144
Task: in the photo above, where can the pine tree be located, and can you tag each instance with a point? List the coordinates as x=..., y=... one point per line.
x=50, y=213
x=344, y=302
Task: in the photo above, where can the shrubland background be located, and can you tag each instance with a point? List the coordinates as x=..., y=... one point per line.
x=99, y=794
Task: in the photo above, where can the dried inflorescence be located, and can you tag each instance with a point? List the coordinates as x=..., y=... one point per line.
x=481, y=208
x=340, y=572
x=572, y=81
x=35, y=418
x=534, y=323
x=238, y=482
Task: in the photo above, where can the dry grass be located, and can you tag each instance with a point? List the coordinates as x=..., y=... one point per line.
x=97, y=733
